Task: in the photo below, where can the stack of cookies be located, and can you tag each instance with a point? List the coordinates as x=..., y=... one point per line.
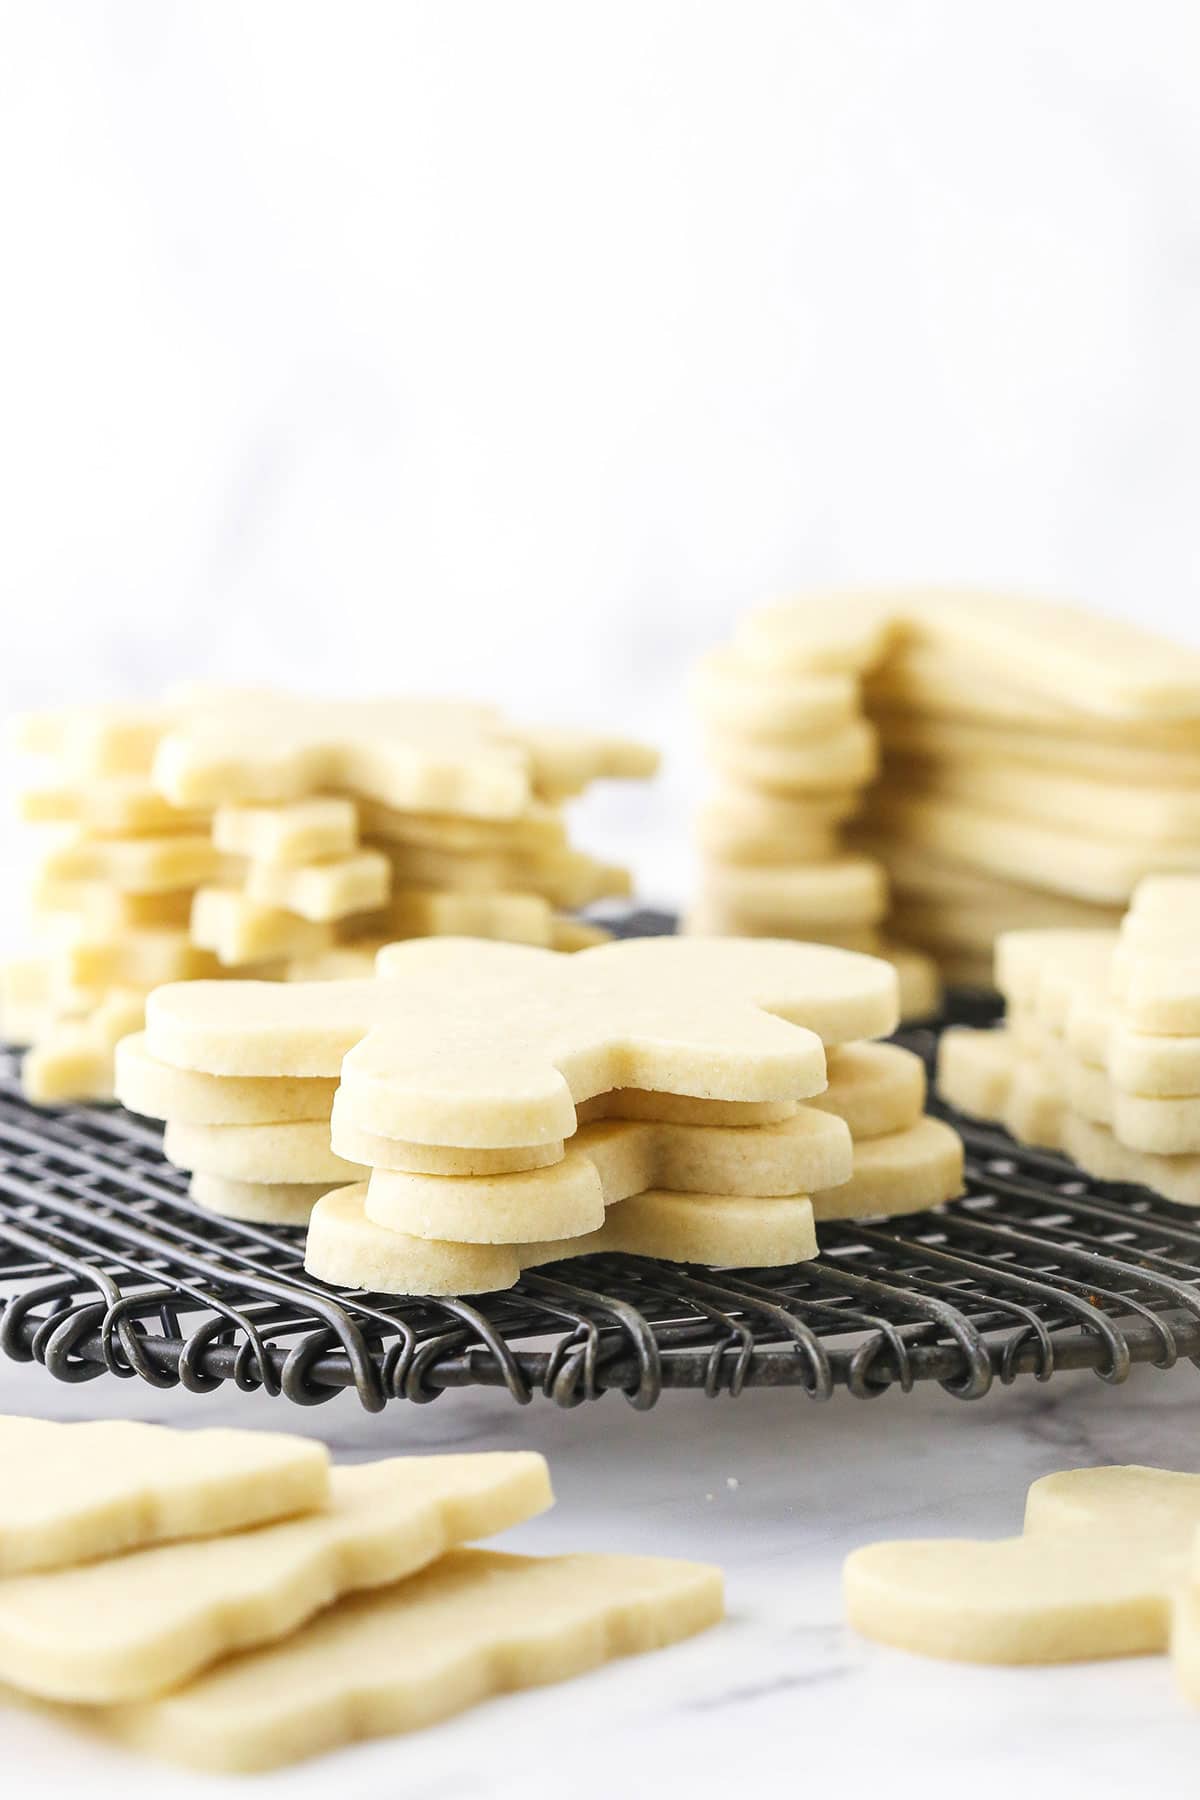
x=1100, y=1051
x=1035, y=762
x=510, y=1106
x=785, y=731
x=267, y=836
x=230, y=1601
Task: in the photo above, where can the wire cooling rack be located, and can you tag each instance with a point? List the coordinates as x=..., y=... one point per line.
x=106, y=1266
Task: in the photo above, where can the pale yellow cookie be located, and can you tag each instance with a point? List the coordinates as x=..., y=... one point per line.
x=288, y=836
x=1135, y=812
x=821, y=633
x=74, y=1059
x=321, y=891
x=467, y=1042
x=1067, y=744
x=906, y=1171
x=98, y=906
x=258, y=1202
x=875, y=1088
x=1048, y=1598
x=1090, y=867
x=1097, y=1151
x=920, y=982
x=135, y=865
x=144, y=957
x=843, y=758
x=94, y=740
x=1146, y=1063
x=428, y=912
x=609, y=1162
x=975, y=1070
x=295, y=1151
x=239, y=930
x=1162, y=1505
x=849, y=891
x=539, y=827
x=116, y=806
x=729, y=689
x=159, y=1091
x=74, y=1492
x=711, y=917
x=485, y=1623
x=130, y=1627
x=563, y=877
x=348, y=1249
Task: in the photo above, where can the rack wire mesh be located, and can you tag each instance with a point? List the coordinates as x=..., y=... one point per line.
x=106, y=1266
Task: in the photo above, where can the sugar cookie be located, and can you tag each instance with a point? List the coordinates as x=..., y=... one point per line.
x=905, y=1171
x=520, y=1034
x=1048, y=1598
x=486, y=1623
x=539, y=827
x=1143, y=1063
x=121, y=806
x=730, y=689
x=1162, y=1505
x=239, y=930
x=843, y=758
x=73, y=1492
x=74, y=1059
x=875, y=1088
x=258, y=1202
x=135, y=865
x=563, y=877
x=610, y=1162
x=146, y=1085
x=348, y=1249
x=1096, y=1150
x=847, y=891
x=323, y=891
x=130, y=1627
x=821, y=633
x=294, y=1151
x=290, y=835
x=975, y=1070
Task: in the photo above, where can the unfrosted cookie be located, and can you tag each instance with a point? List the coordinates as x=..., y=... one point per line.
x=1048, y=1598
x=537, y=827
x=609, y=1162
x=1144, y=1062
x=563, y=877
x=347, y=1248
x=239, y=930
x=875, y=1088
x=467, y=1042
x=129, y=1627
x=297, y=1150
x=74, y=1492
x=975, y=1070
x=116, y=806
x=258, y=1202
x=848, y=891
x=731, y=689
x=1135, y=812
x=903, y=1172
x=821, y=633
x=290, y=835
x=321, y=891
x=485, y=1623
x=1096, y=1150
x=843, y=758
x=73, y=1059
x=154, y=1088
x=135, y=865
x=1127, y=1500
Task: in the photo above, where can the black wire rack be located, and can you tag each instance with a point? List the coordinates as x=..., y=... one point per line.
x=106, y=1266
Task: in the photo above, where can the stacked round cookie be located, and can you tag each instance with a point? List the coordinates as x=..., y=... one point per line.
x=785, y=731
x=273, y=836
x=1035, y=762
x=510, y=1106
x=1100, y=1052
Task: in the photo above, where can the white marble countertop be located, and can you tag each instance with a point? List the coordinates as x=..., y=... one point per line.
x=781, y=1698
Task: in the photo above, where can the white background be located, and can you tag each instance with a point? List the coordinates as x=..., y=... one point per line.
x=514, y=348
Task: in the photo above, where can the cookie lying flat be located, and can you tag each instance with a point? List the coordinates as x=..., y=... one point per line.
x=485, y=1624
x=847, y=891
x=732, y=690
x=843, y=758
x=1073, y=745
x=1089, y=867
x=348, y=1249
x=1096, y=1150
x=463, y=1042
x=906, y=1171
x=73, y=1492
x=74, y=1059
x=1162, y=1505
x=158, y=1091
x=875, y=1088
x=1055, y=1596
x=298, y=1150
x=120, y=806
x=1143, y=1062
x=135, y=865
x=1135, y=812
x=258, y=1202
x=919, y=978
x=239, y=930
x=142, y=957
x=430, y=912
x=288, y=836
x=322, y=891
x=538, y=827
x=101, y=907
x=609, y=1162
x=130, y=1627
x=831, y=633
